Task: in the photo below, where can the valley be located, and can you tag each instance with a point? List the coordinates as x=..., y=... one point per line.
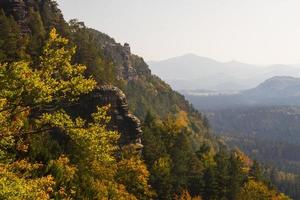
x=83, y=116
x=262, y=118
x=195, y=72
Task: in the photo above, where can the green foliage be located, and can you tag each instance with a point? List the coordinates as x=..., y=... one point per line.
x=90, y=53
x=257, y=190
x=38, y=33
x=17, y=181
x=176, y=168
x=47, y=154
x=11, y=42
x=133, y=173
x=268, y=135
x=51, y=16
x=79, y=160
x=25, y=89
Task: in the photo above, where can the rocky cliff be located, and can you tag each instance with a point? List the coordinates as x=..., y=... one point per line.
x=121, y=54
x=121, y=119
x=128, y=67
x=20, y=11
x=145, y=92
x=17, y=9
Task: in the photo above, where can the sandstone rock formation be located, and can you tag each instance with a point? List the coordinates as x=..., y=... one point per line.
x=17, y=8
x=121, y=119
x=20, y=10
x=122, y=59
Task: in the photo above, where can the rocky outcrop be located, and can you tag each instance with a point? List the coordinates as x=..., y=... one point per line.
x=128, y=73
x=122, y=59
x=121, y=119
x=128, y=67
x=18, y=9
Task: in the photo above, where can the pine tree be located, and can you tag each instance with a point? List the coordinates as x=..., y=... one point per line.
x=52, y=17
x=81, y=163
x=11, y=43
x=236, y=177
x=37, y=35
x=4, y=28
x=222, y=173
x=181, y=156
x=255, y=171
x=211, y=186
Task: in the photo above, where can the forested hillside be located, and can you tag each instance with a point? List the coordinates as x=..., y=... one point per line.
x=51, y=148
x=268, y=134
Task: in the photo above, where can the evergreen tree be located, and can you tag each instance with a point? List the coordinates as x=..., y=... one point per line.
x=52, y=17
x=181, y=157
x=11, y=43
x=211, y=185
x=46, y=153
x=103, y=70
x=236, y=177
x=222, y=174
x=196, y=182
x=256, y=171
x=37, y=33
x=84, y=164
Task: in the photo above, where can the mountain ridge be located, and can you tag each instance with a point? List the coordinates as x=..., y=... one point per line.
x=277, y=90
x=74, y=158
x=215, y=75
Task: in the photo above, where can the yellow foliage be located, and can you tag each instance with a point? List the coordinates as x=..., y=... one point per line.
x=24, y=88
x=163, y=165
x=181, y=119
x=185, y=195
x=253, y=190
x=17, y=183
x=62, y=168
x=133, y=173
x=41, y=91
x=175, y=124
x=247, y=162
x=98, y=143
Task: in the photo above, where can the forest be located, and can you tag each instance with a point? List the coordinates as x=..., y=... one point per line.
x=49, y=151
x=251, y=128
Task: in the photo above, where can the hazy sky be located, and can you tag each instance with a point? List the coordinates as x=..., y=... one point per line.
x=252, y=31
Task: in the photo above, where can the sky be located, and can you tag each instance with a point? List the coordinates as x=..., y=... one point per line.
x=250, y=31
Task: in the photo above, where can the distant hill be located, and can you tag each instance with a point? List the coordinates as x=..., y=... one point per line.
x=47, y=152
x=195, y=72
x=263, y=122
x=276, y=87
x=190, y=72
x=278, y=90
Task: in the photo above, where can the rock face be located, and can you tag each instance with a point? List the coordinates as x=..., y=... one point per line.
x=121, y=119
x=128, y=67
x=17, y=8
x=122, y=58
x=20, y=10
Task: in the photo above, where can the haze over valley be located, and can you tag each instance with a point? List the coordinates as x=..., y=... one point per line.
x=192, y=72
x=84, y=116
x=254, y=108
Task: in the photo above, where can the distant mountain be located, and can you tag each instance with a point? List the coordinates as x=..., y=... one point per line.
x=276, y=87
x=52, y=147
x=187, y=65
x=278, y=90
x=195, y=72
x=190, y=72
